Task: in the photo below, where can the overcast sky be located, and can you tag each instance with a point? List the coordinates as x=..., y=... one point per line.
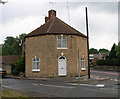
x=23, y=16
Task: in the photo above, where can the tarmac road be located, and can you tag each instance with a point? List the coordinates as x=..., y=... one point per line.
x=108, y=88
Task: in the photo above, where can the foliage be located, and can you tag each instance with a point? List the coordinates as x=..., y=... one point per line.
x=114, y=57
x=112, y=53
x=13, y=46
x=110, y=62
x=118, y=51
x=93, y=51
x=19, y=66
x=103, y=50
x=7, y=47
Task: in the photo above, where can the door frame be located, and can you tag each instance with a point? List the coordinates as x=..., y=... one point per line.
x=65, y=66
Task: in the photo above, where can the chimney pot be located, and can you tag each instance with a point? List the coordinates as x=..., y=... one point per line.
x=51, y=14
x=46, y=19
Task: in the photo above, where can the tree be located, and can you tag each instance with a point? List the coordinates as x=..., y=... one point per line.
x=7, y=47
x=103, y=50
x=118, y=52
x=93, y=51
x=112, y=53
x=13, y=46
x=18, y=44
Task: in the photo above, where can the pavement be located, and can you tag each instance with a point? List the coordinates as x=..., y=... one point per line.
x=65, y=79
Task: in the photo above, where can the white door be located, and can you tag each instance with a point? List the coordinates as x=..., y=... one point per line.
x=62, y=71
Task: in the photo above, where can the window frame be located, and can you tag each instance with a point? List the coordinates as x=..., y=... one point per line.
x=83, y=63
x=61, y=42
x=36, y=61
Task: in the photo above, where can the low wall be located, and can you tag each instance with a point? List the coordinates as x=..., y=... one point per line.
x=109, y=68
x=7, y=68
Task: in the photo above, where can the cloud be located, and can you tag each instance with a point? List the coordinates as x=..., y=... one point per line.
x=24, y=17
x=21, y=25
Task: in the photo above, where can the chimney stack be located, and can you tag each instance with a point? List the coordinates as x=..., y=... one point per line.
x=51, y=14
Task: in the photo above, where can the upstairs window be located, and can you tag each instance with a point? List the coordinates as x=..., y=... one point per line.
x=36, y=64
x=61, y=42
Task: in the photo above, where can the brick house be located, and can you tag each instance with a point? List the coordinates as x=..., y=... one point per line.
x=51, y=50
x=6, y=61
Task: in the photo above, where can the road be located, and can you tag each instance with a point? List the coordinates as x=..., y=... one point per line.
x=107, y=88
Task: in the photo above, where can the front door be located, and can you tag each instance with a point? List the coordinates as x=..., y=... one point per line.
x=62, y=71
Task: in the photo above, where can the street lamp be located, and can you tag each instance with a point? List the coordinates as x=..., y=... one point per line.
x=3, y=1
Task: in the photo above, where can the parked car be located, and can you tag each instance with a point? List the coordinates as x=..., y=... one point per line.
x=2, y=72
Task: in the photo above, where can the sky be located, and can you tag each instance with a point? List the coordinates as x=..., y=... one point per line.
x=18, y=16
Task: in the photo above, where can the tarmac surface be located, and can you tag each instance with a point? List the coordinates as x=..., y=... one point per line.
x=101, y=84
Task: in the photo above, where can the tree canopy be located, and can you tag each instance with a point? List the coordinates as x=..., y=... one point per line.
x=93, y=51
x=13, y=46
x=103, y=50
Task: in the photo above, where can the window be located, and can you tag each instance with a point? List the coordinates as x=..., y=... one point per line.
x=36, y=64
x=61, y=42
x=82, y=63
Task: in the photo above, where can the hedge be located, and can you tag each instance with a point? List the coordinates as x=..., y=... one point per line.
x=109, y=62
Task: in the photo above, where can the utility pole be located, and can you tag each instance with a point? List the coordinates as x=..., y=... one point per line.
x=87, y=42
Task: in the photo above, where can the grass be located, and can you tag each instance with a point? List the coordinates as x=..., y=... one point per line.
x=11, y=94
x=91, y=67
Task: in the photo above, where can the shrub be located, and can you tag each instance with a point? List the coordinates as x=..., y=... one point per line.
x=109, y=62
x=19, y=66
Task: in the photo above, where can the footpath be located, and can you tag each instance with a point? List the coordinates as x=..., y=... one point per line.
x=64, y=79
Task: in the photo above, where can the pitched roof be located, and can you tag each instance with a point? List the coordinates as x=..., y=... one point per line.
x=55, y=26
x=9, y=59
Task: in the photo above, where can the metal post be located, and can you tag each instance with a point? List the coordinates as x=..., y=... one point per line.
x=78, y=65
x=87, y=43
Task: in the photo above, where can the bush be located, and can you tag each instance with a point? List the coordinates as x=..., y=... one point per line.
x=109, y=62
x=19, y=66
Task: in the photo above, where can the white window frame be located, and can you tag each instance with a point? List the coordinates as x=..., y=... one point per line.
x=83, y=63
x=61, y=40
x=36, y=62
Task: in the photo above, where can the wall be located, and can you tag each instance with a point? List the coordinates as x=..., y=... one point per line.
x=45, y=48
x=6, y=68
x=82, y=45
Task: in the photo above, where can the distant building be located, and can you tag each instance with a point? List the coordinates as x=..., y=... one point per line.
x=100, y=56
x=6, y=61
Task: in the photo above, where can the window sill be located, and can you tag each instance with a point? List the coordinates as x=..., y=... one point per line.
x=62, y=48
x=36, y=70
x=83, y=69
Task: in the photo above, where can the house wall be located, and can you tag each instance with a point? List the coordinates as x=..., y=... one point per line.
x=45, y=48
x=82, y=45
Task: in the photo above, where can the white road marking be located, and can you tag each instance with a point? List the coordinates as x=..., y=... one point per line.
x=72, y=84
x=86, y=85
x=56, y=86
x=115, y=79
x=34, y=84
x=100, y=85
